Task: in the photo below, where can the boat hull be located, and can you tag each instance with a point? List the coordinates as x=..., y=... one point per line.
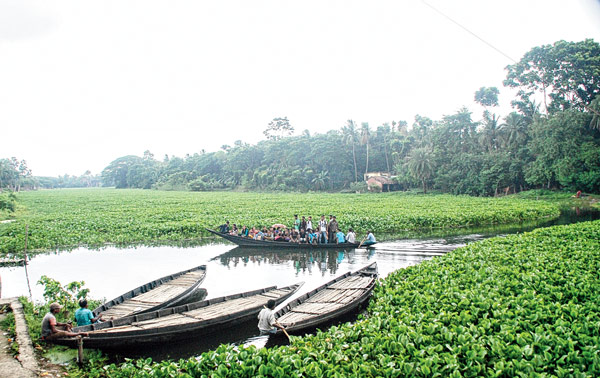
x=187, y=283
x=358, y=292
x=249, y=242
x=179, y=323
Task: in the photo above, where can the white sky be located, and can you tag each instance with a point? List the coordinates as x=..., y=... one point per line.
x=83, y=83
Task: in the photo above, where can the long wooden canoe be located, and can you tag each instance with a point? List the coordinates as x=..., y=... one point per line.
x=330, y=301
x=181, y=322
x=249, y=242
x=168, y=291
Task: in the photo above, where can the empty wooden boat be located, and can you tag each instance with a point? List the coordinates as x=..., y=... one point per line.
x=181, y=322
x=168, y=291
x=249, y=242
x=338, y=297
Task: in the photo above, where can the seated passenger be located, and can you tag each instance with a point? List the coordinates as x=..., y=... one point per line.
x=259, y=235
x=51, y=329
x=351, y=236
x=302, y=235
x=244, y=232
x=234, y=230
x=370, y=239
x=339, y=235
x=84, y=316
x=312, y=236
x=295, y=237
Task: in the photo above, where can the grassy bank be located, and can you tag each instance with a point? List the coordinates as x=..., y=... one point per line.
x=524, y=305
x=59, y=218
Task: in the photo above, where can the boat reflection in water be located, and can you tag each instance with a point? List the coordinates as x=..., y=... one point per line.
x=303, y=261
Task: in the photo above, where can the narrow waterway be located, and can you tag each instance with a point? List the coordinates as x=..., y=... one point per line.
x=110, y=271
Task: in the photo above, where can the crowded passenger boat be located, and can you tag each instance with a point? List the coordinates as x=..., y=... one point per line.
x=302, y=231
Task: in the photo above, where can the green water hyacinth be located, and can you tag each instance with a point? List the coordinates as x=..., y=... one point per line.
x=523, y=305
x=64, y=218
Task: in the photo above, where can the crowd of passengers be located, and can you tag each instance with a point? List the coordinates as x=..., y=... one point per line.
x=302, y=231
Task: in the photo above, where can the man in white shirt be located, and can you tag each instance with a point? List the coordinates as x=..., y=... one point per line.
x=351, y=236
x=322, y=230
x=267, y=324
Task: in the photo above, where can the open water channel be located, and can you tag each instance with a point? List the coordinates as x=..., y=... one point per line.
x=110, y=271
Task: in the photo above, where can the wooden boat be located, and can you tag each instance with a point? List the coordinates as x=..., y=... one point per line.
x=168, y=291
x=181, y=322
x=249, y=242
x=338, y=297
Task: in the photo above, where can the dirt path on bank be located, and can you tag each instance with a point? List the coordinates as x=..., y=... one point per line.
x=26, y=364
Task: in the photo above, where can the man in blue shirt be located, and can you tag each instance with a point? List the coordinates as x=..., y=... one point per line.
x=341, y=238
x=84, y=316
x=370, y=239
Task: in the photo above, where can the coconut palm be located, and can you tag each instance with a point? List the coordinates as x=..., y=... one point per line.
x=365, y=133
x=514, y=129
x=420, y=165
x=350, y=138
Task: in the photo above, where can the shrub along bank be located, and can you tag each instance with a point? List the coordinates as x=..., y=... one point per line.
x=523, y=305
x=64, y=218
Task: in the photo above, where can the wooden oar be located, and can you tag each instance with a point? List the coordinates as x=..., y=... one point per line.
x=285, y=332
x=360, y=245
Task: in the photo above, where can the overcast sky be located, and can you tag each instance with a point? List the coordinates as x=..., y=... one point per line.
x=83, y=83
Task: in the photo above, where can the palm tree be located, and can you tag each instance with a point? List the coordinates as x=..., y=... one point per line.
x=349, y=138
x=320, y=180
x=420, y=165
x=489, y=134
x=514, y=129
x=365, y=133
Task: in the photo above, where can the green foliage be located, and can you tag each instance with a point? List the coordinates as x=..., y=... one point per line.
x=8, y=202
x=487, y=96
x=358, y=187
x=96, y=216
x=522, y=305
x=68, y=296
x=568, y=73
x=8, y=325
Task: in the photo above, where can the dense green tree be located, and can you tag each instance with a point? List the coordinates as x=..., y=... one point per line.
x=565, y=74
x=487, y=96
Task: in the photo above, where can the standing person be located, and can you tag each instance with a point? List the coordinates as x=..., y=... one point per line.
x=332, y=227
x=267, y=324
x=322, y=230
x=51, y=329
x=309, y=223
x=351, y=236
x=224, y=228
x=296, y=223
x=83, y=316
x=303, y=223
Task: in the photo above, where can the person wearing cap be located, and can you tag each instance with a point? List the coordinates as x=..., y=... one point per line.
x=267, y=324
x=51, y=329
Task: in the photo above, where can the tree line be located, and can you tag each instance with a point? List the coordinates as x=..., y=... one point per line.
x=551, y=139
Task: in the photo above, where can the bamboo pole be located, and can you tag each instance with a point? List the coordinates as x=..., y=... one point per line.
x=25, y=262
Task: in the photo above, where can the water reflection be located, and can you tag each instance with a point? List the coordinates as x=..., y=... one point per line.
x=303, y=261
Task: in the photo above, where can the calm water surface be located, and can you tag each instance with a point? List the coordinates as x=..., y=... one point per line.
x=110, y=271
